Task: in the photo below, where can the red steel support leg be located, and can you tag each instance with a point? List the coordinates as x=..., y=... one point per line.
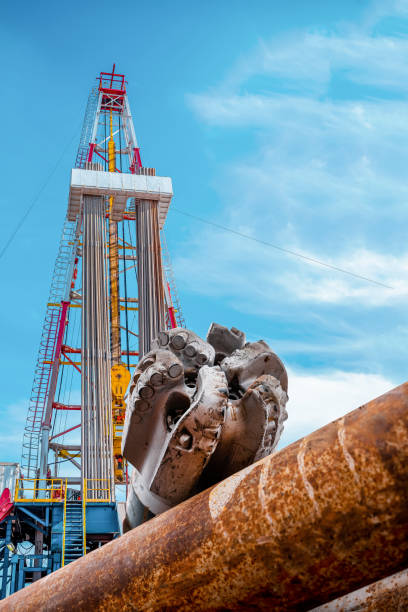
x=46, y=424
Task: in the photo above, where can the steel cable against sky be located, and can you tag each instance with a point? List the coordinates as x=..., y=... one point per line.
x=37, y=197
x=282, y=249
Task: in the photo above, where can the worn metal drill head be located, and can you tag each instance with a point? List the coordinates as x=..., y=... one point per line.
x=172, y=428
x=157, y=396
x=192, y=351
x=224, y=340
x=252, y=429
x=190, y=422
x=244, y=365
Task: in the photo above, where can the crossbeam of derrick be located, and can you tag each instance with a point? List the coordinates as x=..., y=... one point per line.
x=70, y=349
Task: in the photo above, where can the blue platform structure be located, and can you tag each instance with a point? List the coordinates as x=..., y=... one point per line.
x=61, y=524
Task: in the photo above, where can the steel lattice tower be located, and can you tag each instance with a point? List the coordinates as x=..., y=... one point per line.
x=111, y=292
x=112, y=263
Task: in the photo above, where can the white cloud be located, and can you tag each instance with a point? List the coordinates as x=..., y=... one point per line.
x=381, y=9
x=316, y=400
x=257, y=278
x=307, y=61
x=327, y=288
x=311, y=116
x=323, y=122
x=326, y=176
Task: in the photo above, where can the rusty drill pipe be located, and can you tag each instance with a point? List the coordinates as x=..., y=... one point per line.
x=326, y=515
x=389, y=594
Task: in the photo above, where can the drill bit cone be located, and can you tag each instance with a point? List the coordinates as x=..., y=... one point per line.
x=252, y=429
x=193, y=439
x=189, y=422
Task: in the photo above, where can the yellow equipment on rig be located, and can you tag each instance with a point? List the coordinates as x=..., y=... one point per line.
x=120, y=376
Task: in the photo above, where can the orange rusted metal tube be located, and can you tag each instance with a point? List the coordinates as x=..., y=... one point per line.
x=326, y=515
x=389, y=594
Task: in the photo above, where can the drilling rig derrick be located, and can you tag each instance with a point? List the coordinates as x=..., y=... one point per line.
x=110, y=296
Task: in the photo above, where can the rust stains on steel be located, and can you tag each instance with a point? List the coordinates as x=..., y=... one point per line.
x=389, y=594
x=324, y=516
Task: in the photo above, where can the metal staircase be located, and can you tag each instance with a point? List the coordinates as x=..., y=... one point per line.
x=73, y=539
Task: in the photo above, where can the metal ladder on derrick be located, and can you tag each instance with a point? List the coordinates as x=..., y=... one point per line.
x=169, y=276
x=39, y=394
x=60, y=281
x=87, y=127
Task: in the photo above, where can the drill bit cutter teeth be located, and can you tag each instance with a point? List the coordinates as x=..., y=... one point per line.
x=193, y=439
x=190, y=423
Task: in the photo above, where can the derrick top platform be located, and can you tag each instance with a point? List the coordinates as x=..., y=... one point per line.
x=122, y=187
x=113, y=89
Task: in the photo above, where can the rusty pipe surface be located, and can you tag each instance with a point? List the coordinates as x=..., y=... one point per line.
x=389, y=594
x=322, y=517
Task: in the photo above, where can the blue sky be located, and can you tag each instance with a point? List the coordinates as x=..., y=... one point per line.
x=284, y=121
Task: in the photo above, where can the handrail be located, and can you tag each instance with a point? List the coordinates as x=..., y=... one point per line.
x=98, y=493
x=43, y=490
x=65, y=521
x=84, y=494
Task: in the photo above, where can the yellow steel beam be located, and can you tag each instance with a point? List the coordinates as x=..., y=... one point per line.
x=47, y=362
x=113, y=263
x=120, y=376
x=64, y=453
x=59, y=304
x=80, y=306
x=84, y=496
x=65, y=522
x=78, y=363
